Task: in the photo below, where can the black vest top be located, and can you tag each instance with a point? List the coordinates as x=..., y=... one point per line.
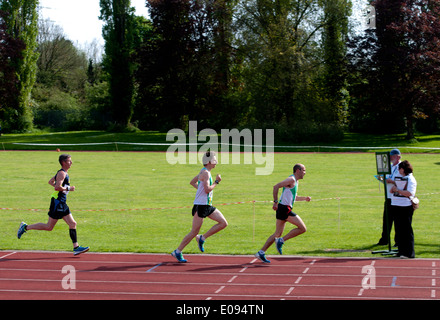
x=62, y=195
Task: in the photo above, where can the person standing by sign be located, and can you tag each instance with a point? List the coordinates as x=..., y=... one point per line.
x=402, y=209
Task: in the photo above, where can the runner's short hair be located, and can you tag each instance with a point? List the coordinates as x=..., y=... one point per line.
x=207, y=157
x=63, y=157
x=297, y=166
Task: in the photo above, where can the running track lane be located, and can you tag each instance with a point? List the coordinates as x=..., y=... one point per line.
x=27, y=275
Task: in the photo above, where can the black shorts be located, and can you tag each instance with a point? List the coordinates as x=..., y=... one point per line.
x=283, y=212
x=58, y=209
x=202, y=210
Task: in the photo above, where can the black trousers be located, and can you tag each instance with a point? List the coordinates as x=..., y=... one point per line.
x=387, y=225
x=404, y=231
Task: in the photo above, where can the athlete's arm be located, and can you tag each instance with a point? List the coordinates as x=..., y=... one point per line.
x=289, y=182
x=194, y=181
x=52, y=181
x=204, y=179
x=60, y=176
x=308, y=199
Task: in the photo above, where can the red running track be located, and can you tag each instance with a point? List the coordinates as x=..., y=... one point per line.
x=26, y=275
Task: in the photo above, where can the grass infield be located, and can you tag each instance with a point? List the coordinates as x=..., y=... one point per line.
x=137, y=202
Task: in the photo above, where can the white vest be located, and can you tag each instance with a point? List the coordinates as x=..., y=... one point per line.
x=203, y=198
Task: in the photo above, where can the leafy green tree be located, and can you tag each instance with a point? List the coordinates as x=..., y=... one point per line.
x=398, y=66
x=163, y=76
x=223, y=98
x=118, y=33
x=60, y=63
x=291, y=50
x=271, y=38
x=10, y=50
x=334, y=38
x=419, y=29
x=59, y=93
x=21, y=21
x=185, y=64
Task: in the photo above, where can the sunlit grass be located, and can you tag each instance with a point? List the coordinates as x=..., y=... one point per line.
x=137, y=202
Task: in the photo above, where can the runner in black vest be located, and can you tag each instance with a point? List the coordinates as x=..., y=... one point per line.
x=58, y=206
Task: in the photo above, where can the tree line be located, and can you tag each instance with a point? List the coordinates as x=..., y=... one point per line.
x=293, y=65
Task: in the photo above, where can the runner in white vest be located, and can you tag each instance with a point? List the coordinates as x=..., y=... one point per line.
x=203, y=207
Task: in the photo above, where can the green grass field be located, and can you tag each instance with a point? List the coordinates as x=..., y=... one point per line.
x=137, y=202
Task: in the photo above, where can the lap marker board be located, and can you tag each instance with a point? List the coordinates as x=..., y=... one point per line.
x=383, y=163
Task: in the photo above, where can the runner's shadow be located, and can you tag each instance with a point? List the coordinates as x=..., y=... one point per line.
x=230, y=267
x=141, y=267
